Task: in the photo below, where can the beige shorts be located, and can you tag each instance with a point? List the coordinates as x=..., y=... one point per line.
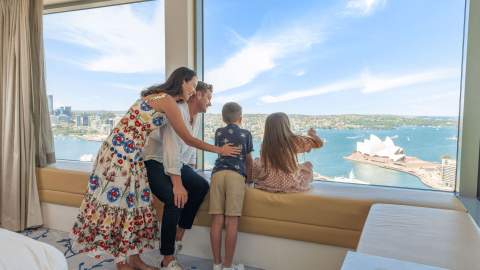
x=227, y=190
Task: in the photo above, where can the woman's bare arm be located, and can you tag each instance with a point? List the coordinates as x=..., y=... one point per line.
x=168, y=105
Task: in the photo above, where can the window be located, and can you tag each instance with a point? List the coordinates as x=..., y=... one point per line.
x=97, y=62
x=379, y=81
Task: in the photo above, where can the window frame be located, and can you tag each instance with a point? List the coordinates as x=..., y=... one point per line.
x=69, y=5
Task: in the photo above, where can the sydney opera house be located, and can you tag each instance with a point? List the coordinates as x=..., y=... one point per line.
x=374, y=146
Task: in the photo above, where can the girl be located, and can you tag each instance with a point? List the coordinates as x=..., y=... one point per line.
x=116, y=216
x=278, y=170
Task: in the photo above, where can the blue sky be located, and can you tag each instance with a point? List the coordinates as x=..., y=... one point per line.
x=308, y=57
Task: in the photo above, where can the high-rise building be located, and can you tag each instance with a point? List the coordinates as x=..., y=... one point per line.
x=449, y=170
x=110, y=124
x=85, y=120
x=79, y=120
x=50, y=104
x=68, y=111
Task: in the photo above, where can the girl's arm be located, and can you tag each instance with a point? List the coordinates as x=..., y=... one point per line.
x=313, y=134
x=166, y=104
x=306, y=143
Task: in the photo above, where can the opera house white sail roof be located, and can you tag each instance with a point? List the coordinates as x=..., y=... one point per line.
x=374, y=146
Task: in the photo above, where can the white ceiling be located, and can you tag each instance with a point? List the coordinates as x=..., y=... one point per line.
x=51, y=2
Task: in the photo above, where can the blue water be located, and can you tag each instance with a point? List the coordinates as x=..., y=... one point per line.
x=427, y=143
x=72, y=148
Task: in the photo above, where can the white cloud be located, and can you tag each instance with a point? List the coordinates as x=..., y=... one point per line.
x=121, y=40
x=299, y=73
x=264, y=50
x=368, y=83
x=259, y=55
x=363, y=7
x=236, y=38
x=320, y=90
x=383, y=83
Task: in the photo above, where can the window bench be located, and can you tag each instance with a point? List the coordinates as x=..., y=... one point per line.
x=331, y=213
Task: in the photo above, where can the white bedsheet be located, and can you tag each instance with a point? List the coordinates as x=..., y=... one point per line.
x=18, y=252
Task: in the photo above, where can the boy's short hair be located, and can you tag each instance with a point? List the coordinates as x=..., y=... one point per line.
x=231, y=112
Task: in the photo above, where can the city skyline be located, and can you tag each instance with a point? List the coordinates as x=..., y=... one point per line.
x=97, y=125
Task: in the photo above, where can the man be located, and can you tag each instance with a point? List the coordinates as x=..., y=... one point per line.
x=167, y=158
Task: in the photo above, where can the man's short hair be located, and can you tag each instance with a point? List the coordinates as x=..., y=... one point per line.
x=203, y=87
x=231, y=112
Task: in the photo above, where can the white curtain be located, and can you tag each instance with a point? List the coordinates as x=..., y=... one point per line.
x=25, y=134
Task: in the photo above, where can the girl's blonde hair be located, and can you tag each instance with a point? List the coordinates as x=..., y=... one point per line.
x=278, y=147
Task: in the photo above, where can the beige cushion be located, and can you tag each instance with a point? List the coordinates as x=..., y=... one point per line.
x=332, y=213
x=388, y=195
x=438, y=237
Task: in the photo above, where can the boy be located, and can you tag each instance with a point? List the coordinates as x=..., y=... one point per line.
x=227, y=188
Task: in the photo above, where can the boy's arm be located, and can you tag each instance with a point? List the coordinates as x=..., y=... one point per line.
x=249, y=158
x=249, y=167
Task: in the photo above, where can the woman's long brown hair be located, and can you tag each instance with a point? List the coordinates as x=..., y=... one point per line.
x=278, y=146
x=173, y=85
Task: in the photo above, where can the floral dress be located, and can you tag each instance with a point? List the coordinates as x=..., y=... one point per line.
x=116, y=216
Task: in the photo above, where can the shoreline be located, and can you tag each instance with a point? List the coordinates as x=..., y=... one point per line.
x=427, y=172
x=90, y=138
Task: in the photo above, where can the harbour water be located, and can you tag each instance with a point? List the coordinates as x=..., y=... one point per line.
x=426, y=143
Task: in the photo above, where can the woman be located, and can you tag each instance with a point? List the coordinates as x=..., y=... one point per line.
x=278, y=170
x=116, y=216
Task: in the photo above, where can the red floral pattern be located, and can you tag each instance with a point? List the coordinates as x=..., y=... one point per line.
x=116, y=216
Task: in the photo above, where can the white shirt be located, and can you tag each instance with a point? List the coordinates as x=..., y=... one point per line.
x=165, y=146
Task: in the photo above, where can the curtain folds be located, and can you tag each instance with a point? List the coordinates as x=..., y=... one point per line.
x=26, y=139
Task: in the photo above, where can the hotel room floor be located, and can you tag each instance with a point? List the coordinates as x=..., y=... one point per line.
x=76, y=261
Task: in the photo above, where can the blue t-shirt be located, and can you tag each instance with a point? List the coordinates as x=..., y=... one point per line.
x=238, y=137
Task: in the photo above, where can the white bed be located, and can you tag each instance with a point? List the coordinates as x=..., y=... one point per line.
x=20, y=252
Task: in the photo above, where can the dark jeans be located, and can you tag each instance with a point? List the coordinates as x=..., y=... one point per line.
x=162, y=188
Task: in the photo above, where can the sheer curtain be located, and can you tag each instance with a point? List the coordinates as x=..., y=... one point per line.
x=25, y=134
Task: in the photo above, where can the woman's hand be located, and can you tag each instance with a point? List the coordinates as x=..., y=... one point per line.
x=229, y=150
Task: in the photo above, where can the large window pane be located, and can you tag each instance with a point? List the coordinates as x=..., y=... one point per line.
x=379, y=80
x=98, y=61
